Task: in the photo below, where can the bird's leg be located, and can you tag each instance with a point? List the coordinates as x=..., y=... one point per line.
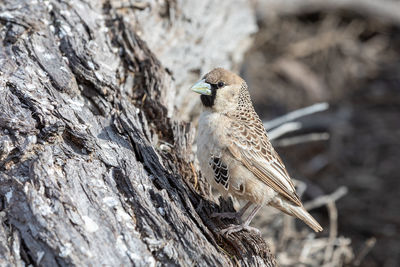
x=232, y=215
x=245, y=225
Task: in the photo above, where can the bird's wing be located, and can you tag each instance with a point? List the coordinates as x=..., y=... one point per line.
x=249, y=144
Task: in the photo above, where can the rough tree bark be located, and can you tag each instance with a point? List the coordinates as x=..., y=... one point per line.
x=94, y=170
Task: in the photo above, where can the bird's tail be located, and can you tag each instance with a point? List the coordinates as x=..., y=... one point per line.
x=296, y=211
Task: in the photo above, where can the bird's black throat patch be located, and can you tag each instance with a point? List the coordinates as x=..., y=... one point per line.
x=208, y=100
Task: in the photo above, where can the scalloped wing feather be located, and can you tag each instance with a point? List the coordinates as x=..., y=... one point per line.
x=250, y=145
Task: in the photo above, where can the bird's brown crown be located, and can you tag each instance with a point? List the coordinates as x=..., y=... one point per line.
x=222, y=75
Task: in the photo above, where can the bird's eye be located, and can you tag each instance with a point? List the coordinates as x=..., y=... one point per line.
x=220, y=84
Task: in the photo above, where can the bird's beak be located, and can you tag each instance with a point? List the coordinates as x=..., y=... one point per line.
x=202, y=87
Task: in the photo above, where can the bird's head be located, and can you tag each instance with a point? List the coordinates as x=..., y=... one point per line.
x=220, y=90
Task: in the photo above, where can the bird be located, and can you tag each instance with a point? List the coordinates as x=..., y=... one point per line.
x=236, y=156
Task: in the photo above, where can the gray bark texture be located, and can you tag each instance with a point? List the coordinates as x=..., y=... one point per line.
x=95, y=167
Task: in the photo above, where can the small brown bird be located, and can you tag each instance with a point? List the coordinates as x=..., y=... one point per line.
x=236, y=155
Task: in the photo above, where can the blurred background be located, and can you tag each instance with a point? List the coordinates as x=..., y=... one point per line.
x=345, y=54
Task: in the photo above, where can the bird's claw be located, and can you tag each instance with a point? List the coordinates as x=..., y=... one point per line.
x=233, y=228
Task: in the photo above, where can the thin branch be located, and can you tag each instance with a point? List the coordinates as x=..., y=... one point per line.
x=296, y=114
x=368, y=245
x=284, y=129
x=312, y=137
x=324, y=200
x=333, y=215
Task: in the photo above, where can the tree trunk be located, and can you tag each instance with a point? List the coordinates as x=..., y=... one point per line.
x=95, y=168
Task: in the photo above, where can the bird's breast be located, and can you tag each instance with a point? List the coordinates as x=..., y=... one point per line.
x=211, y=132
x=210, y=140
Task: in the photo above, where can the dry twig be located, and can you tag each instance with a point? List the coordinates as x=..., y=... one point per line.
x=369, y=244
x=306, y=138
x=324, y=200
x=291, y=116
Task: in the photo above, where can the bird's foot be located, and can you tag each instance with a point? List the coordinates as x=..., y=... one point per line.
x=226, y=215
x=233, y=228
